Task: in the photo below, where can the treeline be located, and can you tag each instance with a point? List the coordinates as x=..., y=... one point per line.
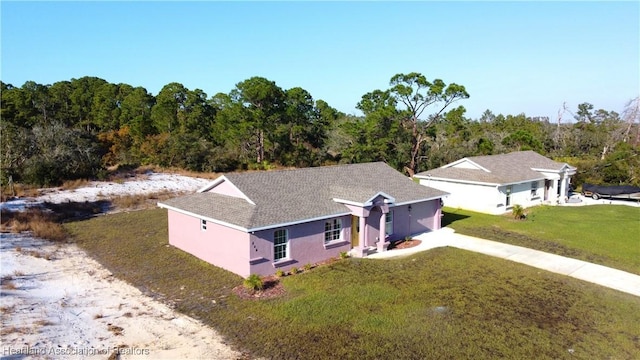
x=82, y=127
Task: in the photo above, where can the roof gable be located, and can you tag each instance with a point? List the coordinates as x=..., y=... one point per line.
x=465, y=163
x=387, y=199
x=223, y=186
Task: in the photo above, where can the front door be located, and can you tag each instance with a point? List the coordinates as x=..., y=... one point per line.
x=355, y=231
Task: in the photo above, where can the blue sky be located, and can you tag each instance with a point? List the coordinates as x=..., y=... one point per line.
x=512, y=57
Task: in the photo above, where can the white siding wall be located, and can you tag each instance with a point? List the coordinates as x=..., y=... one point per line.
x=481, y=198
x=486, y=198
x=520, y=195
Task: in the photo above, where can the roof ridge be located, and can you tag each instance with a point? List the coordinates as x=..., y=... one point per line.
x=308, y=168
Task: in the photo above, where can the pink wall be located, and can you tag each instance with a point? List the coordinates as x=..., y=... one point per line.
x=423, y=217
x=306, y=242
x=246, y=254
x=219, y=245
x=226, y=188
x=373, y=224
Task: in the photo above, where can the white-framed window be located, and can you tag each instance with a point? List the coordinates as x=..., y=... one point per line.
x=388, y=219
x=203, y=225
x=534, y=189
x=508, y=199
x=332, y=230
x=280, y=244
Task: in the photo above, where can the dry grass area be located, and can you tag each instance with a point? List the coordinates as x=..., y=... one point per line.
x=141, y=201
x=18, y=190
x=42, y=223
x=6, y=282
x=45, y=222
x=74, y=184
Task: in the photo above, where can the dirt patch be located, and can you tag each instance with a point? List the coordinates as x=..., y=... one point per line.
x=271, y=288
x=405, y=244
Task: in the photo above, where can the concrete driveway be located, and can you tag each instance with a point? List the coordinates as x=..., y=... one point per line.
x=578, y=200
x=597, y=274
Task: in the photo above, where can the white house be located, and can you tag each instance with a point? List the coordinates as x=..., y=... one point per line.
x=494, y=183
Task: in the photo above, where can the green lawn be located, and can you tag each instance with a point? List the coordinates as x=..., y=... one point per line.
x=440, y=304
x=604, y=234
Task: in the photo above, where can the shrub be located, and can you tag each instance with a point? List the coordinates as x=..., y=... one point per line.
x=344, y=255
x=253, y=282
x=518, y=212
x=75, y=184
x=48, y=230
x=279, y=273
x=41, y=223
x=307, y=267
x=294, y=270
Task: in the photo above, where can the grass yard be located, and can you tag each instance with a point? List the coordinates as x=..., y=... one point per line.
x=440, y=304
x=604, y=234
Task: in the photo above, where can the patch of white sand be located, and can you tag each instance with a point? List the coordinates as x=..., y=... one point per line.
x=60, y=301
x=151, y=183
x=57, y=302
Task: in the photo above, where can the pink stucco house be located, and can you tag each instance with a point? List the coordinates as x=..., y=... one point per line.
x=259, y=222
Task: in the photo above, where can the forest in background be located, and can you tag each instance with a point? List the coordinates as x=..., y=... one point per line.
x=83, y=127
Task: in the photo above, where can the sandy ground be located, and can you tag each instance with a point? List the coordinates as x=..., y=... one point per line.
x=102, y=190
x=56, y=302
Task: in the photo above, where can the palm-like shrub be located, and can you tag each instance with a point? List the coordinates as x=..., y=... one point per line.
x=253, y=282
x=518, y=212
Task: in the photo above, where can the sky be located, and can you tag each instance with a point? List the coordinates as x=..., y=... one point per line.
x=512, y=57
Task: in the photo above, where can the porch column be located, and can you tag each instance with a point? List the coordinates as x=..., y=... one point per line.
x=363, y=232
x=553, y=195
x=382, y=241
x=437, y=218
x=563, y=188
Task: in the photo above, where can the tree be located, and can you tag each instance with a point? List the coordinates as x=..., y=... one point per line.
x=105, y=112
x=16, y=148
x=61, y=153
x=60, y=93
x=197, y=114
x=38, y=97
x=169, y=103
x=135, y=112
x=82, y=94
x=380, y=135
x=417, y=94
x=262, y=109
x=631, y=115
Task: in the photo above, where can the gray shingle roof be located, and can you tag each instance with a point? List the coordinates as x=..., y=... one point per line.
x=504, y=168
x=289, y=196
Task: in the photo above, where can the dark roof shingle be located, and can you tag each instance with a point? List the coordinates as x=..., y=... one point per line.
x=289, y=196
x=504, y=168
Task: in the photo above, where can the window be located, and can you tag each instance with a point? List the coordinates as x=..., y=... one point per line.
x=534, y=189
x=280, y=242
x=203, y=225
x=332, y=230
x=508, y=200
x=388, y=219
